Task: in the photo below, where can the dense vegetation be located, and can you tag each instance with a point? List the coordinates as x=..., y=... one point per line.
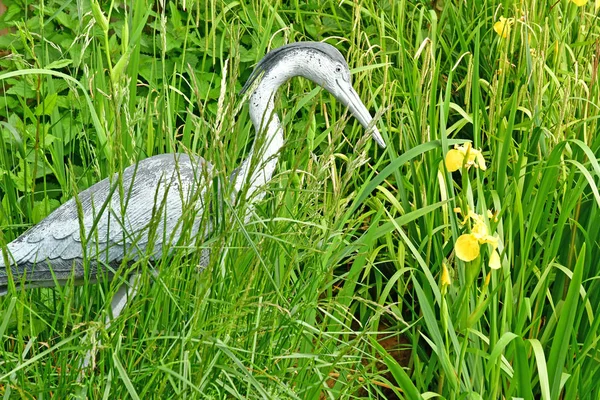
x=348, y=282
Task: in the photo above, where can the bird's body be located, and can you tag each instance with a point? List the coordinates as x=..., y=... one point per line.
x=125, y=217
x=140, y=213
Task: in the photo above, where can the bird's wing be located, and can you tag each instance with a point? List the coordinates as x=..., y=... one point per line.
x=123, y=218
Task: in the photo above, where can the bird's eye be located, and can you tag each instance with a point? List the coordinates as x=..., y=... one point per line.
x=338, y=69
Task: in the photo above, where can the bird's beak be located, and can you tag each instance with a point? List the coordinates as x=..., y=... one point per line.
x=360, y=112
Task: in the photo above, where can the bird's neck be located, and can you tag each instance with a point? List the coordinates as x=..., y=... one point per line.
x=258, y=168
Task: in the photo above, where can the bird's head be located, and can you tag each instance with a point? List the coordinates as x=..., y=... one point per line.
x=322, y=64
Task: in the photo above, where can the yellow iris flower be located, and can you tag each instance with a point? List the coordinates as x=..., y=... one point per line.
x=580, y=3
x=446, y=280
x=502, y=27
x=467, y=155
x=467, y=246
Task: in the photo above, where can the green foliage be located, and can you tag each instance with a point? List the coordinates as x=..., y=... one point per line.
x=336, y=287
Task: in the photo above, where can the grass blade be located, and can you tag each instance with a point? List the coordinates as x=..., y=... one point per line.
x=561, y=342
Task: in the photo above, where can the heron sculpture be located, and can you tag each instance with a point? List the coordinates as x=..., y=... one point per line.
x=107, y=226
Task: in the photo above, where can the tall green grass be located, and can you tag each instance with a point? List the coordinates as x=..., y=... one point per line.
x=334, y=288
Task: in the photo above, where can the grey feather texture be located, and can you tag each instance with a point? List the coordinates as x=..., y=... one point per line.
x=274, y=57
x=131, y=215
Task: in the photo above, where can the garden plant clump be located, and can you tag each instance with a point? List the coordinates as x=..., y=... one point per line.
x=460, y=262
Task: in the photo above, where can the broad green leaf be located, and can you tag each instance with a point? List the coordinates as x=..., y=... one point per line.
x=58, y=64
x=41, y=209
x=47, y=106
